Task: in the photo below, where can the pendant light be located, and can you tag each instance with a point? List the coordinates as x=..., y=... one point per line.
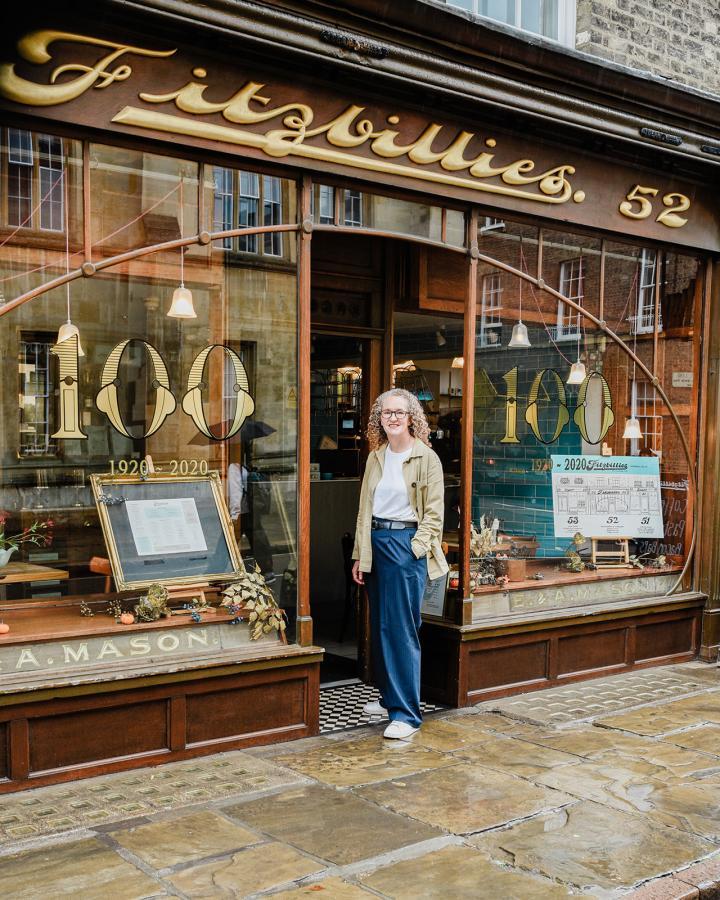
x=182, y=301
x=519, y=338
x=577, y=369
x=577, y=373
x=67, y=329
x=632, y=431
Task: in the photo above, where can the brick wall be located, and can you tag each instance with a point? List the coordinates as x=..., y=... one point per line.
x=677, y=39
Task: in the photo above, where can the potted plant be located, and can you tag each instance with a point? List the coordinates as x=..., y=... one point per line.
x=516, y=563
x=39, y=534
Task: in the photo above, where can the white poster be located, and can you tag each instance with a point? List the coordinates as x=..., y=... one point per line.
x=607, y=496
x=165, y=526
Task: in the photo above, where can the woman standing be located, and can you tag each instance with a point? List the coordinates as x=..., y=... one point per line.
x=397, y=547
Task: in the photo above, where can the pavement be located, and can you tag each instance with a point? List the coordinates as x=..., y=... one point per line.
x=602, y=789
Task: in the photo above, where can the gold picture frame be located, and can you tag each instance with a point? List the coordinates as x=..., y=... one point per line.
x=202, y=500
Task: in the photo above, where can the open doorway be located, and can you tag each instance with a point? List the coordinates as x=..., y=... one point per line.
x=336, y=457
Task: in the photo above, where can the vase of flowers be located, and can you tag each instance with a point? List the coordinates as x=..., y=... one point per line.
x=39, y=534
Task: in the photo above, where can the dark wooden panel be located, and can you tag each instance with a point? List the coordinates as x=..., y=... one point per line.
x=233, y=713
x=57, y=742
x=4, y=751
x=581, y=653
x=507, y=665
x=664, y=639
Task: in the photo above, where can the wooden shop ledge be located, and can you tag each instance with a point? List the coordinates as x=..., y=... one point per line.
x=37, y=623
x=554, y=576
x=572, y=615
x=21, y=687
x=56, y=619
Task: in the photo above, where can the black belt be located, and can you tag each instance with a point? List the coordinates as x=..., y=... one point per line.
x=393, y=524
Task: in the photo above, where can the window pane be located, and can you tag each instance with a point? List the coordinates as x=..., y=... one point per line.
x=248, y=210
x=50, y=159
x=136, y=199
x=223, y=202
x=20, y=152
x=272, y=215
x=353, y=209
x=500, y=10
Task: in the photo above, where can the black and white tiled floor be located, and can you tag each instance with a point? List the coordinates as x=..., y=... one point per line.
x=341, y=706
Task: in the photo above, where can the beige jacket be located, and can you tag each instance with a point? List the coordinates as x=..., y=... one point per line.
x=425, y=485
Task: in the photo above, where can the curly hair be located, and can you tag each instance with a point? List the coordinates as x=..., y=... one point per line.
x=417, y=424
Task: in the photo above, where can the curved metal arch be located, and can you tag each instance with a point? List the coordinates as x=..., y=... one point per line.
x=88, y=269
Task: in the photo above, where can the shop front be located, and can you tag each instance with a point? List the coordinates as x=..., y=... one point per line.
x=240, y=262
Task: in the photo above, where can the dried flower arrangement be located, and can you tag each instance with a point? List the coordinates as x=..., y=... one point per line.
x=250, y=594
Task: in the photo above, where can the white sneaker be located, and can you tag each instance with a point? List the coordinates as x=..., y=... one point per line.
x=398, y=731
x=374, y=709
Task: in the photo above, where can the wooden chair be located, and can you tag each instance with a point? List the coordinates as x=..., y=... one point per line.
x=101, y=566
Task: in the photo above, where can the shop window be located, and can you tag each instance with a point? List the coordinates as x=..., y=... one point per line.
x=550, y=18
x=247, y=200
x=571, y=286
x=35, y=189
x=37, y=386
x=245, y=304
x=643, y=321
x=532, y=414
x=490, y=321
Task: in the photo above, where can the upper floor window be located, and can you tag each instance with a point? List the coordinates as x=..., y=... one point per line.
x=353, y=209
x=553, y=19
x=248, y=200
x=572, y=287
x=35, y=180
x=35, y=369
x=644, y=319
x=490, y=321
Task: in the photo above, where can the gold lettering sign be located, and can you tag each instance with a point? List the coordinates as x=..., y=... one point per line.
x=107, y=398
x=192, y=401
x=342, y=134
x=34, y=48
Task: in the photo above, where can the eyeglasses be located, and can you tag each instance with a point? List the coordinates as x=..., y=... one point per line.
x=398, y=414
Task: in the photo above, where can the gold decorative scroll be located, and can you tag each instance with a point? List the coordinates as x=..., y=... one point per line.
x=340, y=136
x=34, y=48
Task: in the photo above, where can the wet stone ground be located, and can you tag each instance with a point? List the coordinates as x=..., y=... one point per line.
x=605, y=789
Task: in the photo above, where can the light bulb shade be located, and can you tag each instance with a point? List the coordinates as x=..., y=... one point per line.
x=519, y=337
x=632, y=429
x=68, y=330
x=440, y=338
x=458, y=362
x=577, y=373
x=182, y=304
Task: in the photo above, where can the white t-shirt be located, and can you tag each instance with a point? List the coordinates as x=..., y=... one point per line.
x=391, y=496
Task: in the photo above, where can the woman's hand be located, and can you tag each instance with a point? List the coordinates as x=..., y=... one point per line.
x=357, y=575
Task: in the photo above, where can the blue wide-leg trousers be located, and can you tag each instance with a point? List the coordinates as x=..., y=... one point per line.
x=395, y=588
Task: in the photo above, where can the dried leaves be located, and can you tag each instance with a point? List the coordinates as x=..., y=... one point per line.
x=251, y=593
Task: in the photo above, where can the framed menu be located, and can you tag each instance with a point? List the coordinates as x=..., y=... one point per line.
x=166, y=529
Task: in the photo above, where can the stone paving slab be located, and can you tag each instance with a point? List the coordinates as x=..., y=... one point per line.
x=336, y=826
x=603, y=696
x=478, y=803
x=593, y=848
